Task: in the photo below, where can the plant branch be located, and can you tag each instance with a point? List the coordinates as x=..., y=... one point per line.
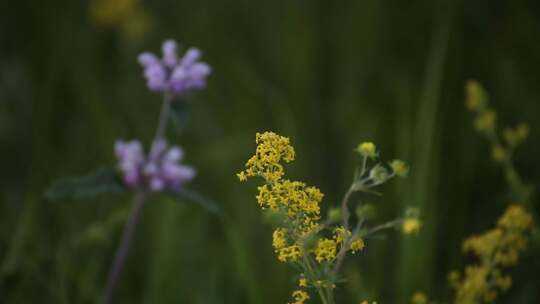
x=123, y=248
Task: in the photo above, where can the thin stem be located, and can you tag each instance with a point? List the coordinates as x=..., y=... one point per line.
x=163, y=116
x=345, y=208
x=123, y=248
x=134, y=217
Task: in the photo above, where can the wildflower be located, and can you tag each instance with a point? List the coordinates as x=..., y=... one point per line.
x=475, y=95
x=399, y=167
x=498, y=153
x=126, y=15
x=278, y=238
x=340, y=234
x=411, y=226
x=289, y=253
x=367, y=149
x=325, y=250
x=497, y=248
x=172, y=74
x=357, y=245
x=378, y=174
x=303, y=282
x=300, y=297
x=485, y=121
x=419, y=298
x=522, y=131
x=157, y=172
x=131, y=159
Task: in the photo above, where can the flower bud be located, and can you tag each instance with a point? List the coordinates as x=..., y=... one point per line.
x=366, y=211
x=399, y=167
x=334, y=215
x=367, y=149
x=378, y=174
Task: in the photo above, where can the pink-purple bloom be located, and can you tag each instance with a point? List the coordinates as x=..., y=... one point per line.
x=159, y=171
x=174, y=74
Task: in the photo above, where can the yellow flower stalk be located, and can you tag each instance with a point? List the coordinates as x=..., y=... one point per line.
x=316, y=246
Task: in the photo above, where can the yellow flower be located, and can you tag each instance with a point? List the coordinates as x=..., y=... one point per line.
x=399, y=167
x=367, y=149
x=325, y=250
x=498, y=153
x=475, y=95
x=303, y=282
x=300, y=297
x=357, y=245
x=340, y=233
x=242, y=176
x=411, y=226
x=419, y=298
x=522, y=131
x=497, y=248
x=289, y=254
x=485, y=121
x=278, y=238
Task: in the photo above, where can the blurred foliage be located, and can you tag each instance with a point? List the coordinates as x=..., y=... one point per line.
x=328, y=74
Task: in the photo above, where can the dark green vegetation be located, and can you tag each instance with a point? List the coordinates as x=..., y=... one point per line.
x=328, y=74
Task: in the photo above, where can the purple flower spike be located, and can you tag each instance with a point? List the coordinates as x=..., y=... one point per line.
x=160, y=171
x=174, y=74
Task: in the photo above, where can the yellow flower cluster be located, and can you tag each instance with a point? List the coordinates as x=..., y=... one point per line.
x=486, y=122
x=271, y=149
x=297, y=239
x=325, y=250
x=127, y=15
x=495, y=249
x=476, y=96
x=419, y=298
x=299, y=297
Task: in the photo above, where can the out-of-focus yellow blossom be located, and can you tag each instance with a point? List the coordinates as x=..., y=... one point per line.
x=367, y=149
x=411, y=225
x=485, y=121
x=357, y=245
x=300, y=297
x=303, y=282
x=475, y=95
x=419, y=298
x=399, y=167
x=522, y=131
x=340, y=233
x=514, y=136
x=498, y=153
x=497, y=248
x=126, y=15
x=325, y=250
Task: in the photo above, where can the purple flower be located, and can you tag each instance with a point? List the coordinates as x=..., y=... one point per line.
x=159, y=171
x=177, y=75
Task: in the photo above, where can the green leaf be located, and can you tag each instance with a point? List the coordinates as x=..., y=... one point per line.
x=103, y=180
x=197, y=198
x=180, y=111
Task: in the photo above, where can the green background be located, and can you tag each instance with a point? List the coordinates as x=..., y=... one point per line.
x=327, y=74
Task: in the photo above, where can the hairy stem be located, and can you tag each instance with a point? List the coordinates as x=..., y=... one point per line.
x=123, y=248
x=345, y=208
x=138, y=204
x=163, y=116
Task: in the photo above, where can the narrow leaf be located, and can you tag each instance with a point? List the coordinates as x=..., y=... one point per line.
x=103, y=180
